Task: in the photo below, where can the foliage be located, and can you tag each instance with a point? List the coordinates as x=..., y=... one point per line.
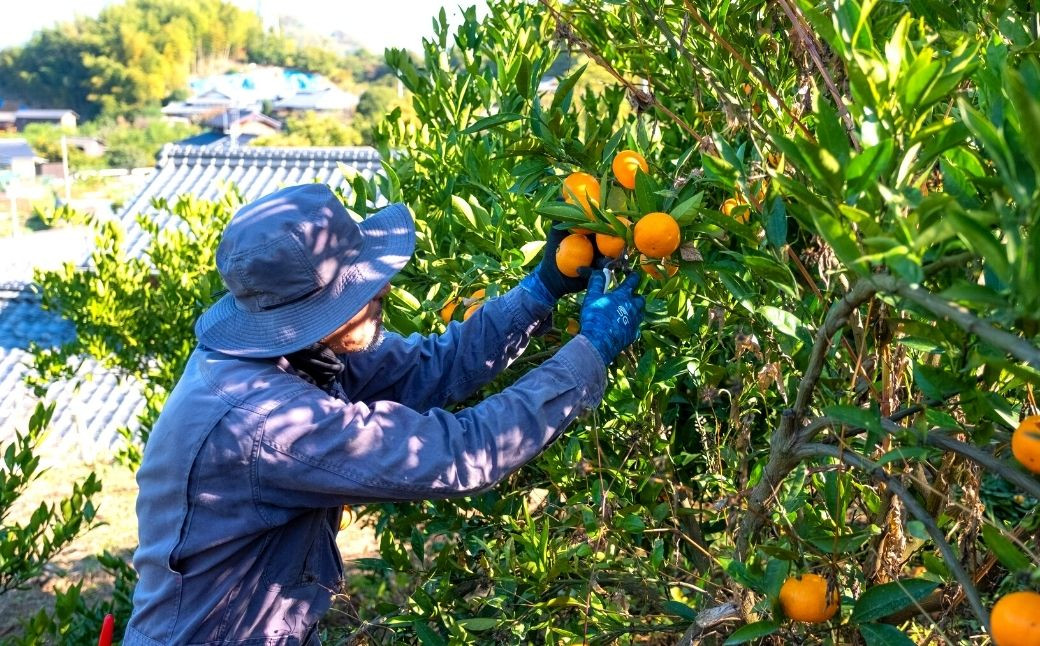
x=127, y=144
x=30, y=544
x=74, y=620
x=827, y=386
x=313, y=129
x=136, y=315
x=138, y=54
x=131, y=56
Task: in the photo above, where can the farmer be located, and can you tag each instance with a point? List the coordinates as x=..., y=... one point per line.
x=295, y=403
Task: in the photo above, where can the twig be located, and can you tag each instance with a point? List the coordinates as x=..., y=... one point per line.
x=810, y=44
x=1013, y=345
x=915, y=508
x=646, y=97
x=747, y=66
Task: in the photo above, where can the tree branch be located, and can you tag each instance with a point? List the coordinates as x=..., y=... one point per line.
x=896, y=488
x=786, y=439
x=938, y=438
x=1016, y=346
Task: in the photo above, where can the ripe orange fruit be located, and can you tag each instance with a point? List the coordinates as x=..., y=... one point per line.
x=471, y=309
x=805, y=598
x=730, y=205
x=612, y=246
x=748, y=89
x=657, y=235
x=449, y=310
x=581, y=188
x=625, y=165
x=646, y=265
x=572, y=327
x=1025, y=443
x=575, y=251
x=1015, y=619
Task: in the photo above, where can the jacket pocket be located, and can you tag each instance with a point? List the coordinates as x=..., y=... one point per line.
x=304, y=553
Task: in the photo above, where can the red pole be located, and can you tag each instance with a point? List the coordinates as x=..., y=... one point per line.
x=107, y=627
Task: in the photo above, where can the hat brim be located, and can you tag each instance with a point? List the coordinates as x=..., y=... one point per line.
x=388, y=241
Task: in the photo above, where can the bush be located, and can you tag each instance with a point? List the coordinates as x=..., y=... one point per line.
x=28, y=545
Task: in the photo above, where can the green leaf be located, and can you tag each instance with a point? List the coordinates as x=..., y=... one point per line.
x=1007, y=552
x=476, y=624
x=563, y=91
x=776, y=223
x=751, y=632
x=680, y=609
x=646, y=193
x=839, y=238
x=427, y=637
x=902, y=454
x=887, y=598
x=785, y=322
x=983, y=242
x=1028, y=109
x=866, y=418
x=883, y=635
x=491, y=122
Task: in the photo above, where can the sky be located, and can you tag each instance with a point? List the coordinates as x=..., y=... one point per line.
x=376, y=24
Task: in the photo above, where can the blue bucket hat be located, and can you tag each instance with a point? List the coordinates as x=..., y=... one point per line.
x=297, y=266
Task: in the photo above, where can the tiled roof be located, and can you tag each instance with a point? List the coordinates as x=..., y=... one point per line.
x=91, y=408
x=207, y=172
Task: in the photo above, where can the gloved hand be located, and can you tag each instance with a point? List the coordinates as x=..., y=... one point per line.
x=548, y=274
x=610, y=320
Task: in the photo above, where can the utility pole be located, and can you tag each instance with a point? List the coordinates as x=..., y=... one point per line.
x=65, y=169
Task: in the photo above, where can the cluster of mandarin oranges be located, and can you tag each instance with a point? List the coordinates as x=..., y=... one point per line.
x=655, y=235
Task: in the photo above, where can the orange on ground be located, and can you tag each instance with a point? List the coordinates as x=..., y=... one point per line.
x=732, y=204
x=612, y=246
x=805, y=598
x=581, y=188
x=575, y=251
x=1015, y=619
x=449, y=310
x=1025, y=443
x=657, y=235
x=646, y=265
x=625, y=165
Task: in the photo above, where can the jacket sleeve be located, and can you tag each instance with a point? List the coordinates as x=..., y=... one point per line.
x=319, y=451
x=424, y=372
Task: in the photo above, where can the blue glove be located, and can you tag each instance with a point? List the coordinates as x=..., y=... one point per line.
x=610, y=321
x=548, y=274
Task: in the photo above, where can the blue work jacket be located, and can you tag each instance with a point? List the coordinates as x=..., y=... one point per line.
x=247, y=468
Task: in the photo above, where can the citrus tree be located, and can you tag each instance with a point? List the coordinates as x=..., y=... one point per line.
x=815, y=423
x=832, y=205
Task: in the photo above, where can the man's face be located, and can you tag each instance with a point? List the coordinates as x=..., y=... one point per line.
x=362, y=329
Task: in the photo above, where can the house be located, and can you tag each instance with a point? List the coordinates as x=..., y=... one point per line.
x=17, y=157
x=327, y=99
x=67, y=119
x=90, y=408
x=233, y=128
